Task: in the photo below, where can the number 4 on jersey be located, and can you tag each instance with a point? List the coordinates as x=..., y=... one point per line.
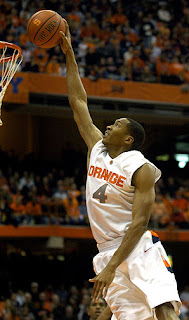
x=100, y=193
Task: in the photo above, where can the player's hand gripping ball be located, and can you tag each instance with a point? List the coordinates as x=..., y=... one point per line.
x=65, y=42
x=44, y=28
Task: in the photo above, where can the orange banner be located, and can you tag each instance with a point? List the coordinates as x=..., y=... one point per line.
x=45, y=231
x=77, y=232
x=24, y=83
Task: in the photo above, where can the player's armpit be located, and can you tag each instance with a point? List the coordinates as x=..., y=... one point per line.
x=89, y=132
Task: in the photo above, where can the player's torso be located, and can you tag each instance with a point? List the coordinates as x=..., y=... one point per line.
x=109, y=197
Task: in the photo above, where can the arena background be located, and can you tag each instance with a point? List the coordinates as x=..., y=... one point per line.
x=39, y=136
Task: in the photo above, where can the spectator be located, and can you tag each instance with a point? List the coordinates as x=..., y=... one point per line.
x=184, y=295
x=69, y=313
x=147, y=75
x=53, y=67
x=34, y=288
x=162, y=69
x=128, y=54
x=60, y=194
x=91, y=57
x=62, y=69
x=186, y=214
x=5, y=210
x=34, y=211
x=119, y=18
x=84, y=307
x=146, y=32
x=180, y=201
x=8, y=310
x=31, y=66
x=20, y=297
x=112, y=70
x=19, y=209
x=164, y=14
x=26, y=313
x=159, y=211
x=72, y=209
x=58, y=309
x=29, y=303
x=96, y=308
x=177, y=218
x=136, y=66
x=44, y=308
x=26, y=181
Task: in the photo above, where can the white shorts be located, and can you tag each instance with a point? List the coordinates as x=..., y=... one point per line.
x=142, y=282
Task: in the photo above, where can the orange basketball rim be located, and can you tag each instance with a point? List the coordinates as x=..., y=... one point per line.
x=9, y=63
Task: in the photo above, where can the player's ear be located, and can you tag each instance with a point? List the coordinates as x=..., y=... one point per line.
x=129, y=140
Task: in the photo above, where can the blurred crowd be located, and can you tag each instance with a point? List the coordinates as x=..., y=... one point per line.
x=27, y=198
x=171, y=207
x=124, y=40
x=72, y=303
x=51, y=303
x=32, y=194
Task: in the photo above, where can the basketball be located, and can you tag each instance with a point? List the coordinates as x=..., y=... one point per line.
x=43, y=28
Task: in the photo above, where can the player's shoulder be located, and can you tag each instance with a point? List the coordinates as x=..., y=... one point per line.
x=131, y=160
x=145, y=175
x=98, y=147
x=132, y=156
x=134, y=160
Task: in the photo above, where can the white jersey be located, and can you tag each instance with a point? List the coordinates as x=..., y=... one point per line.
x=109, y=191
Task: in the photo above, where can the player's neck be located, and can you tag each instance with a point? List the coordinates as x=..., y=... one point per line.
x=114, y=151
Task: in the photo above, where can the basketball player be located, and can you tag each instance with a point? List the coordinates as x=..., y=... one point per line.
x=132, y=268
x=97, y=309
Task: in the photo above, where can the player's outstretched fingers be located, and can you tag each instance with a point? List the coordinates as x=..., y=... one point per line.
x=62, y=34
x=96, y=290
x=67, y=26
x=105, y=292
x=93, y=280
x=100, y=291
x=67, y=31
x=65, y=42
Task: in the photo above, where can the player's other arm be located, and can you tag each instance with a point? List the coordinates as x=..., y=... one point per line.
x=77, y=95
x=143, y=180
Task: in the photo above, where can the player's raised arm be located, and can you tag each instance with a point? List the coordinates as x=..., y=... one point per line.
x=77, y=95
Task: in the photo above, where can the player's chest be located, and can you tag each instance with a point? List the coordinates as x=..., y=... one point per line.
x=107, y=170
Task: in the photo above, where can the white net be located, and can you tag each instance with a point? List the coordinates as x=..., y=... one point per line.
x=8, y=67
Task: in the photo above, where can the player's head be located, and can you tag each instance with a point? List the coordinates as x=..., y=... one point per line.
x=125, y=132
x=95, y=308
x=137, y=132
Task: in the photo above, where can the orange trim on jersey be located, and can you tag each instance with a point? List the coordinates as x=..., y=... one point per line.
x=166, y=263
x=154, y=234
